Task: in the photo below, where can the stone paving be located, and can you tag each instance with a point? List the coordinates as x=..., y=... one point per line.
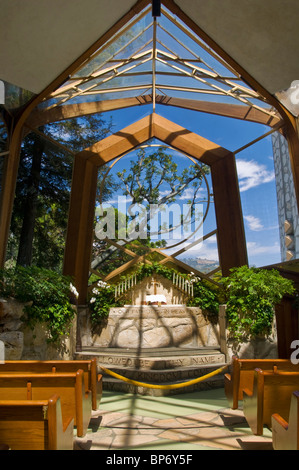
x=143, y=423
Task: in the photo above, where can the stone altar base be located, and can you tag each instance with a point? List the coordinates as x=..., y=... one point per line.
x=151, y=327
x=155, y=345
x=157, y=366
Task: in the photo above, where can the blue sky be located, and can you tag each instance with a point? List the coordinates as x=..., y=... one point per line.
x=256, y=177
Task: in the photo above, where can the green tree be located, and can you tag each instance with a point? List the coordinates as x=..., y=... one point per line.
x=153, y=179
x=43, y=189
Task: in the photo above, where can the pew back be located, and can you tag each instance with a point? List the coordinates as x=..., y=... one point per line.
x=35, y=425
x=285, y=434
x=92, y=380
x=271, y=394
x=242, y=375
x=75, y=402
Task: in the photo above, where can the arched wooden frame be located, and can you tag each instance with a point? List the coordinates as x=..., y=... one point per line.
x=16, y=127
x=230, y=228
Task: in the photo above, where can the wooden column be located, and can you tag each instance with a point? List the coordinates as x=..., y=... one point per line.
x=8, y=190
x=80, y=225
x=228, y=211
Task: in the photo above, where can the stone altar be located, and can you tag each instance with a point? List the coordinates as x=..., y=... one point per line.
x=151, y=327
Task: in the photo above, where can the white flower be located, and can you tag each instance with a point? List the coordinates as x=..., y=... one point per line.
x=102, y=284
x=74, y=290
x=95, y=291
x=92, y=300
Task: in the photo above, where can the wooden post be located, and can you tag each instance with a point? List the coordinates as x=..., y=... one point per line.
x=228, y=210
x=8, y=190
x=80, y=225
x=222, y=330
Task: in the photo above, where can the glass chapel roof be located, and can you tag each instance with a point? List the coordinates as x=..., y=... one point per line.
x=157, y=60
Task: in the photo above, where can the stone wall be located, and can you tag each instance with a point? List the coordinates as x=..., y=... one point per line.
x=21, y=342
x=150, y=327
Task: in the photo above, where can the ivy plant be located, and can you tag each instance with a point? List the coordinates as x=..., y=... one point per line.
x=103, y=298
x=206, y=296
x=46, y=295
x=251, y=295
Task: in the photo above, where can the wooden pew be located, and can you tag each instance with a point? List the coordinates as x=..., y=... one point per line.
x=75, y=402
x=285, y=434
x=35, y=425
x=242, y=375
x=271, y=394
x=92, y=380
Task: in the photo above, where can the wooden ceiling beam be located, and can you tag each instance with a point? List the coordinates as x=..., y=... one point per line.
x=188, y=142
x=41, y=117
x=120, y=142
x=245, y=113
x=153, y=126
x=60, y=113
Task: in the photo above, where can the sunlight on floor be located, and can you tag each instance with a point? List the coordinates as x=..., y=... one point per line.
x=191, y=421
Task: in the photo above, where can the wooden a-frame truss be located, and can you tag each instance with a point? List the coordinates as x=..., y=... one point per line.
x=79, y=90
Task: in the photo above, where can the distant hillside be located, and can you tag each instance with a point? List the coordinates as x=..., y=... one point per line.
x=203, y=265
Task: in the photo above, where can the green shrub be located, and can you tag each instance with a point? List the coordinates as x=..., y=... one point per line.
x=103, y=298
x=46, y=295
x=251, y=295
x=206, y=296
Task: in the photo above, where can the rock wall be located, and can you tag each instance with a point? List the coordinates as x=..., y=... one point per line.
x=21, y=342
x=150, y=327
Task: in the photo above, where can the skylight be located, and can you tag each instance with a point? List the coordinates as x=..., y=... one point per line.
x=157, y=59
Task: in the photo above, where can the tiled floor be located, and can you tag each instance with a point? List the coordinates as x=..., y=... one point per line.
x=194, y=421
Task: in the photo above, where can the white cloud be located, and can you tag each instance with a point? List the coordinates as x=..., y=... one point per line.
x=254, y=223
x=252, y=174
x=257, y=249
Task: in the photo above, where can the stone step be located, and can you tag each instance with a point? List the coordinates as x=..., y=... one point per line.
x=159, y=358
x=111, y=384
x=158, y=366
x=164, y=376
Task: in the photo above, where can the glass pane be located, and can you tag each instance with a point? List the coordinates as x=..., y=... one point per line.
x=124, y=46
x=259, y=203
x=15, y=97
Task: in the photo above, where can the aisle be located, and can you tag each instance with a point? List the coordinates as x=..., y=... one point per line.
x=194, y=421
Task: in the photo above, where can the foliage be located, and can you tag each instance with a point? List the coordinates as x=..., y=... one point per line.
x=46, y=293
x=103, y=298
x=146, y=270
x=41, y=205
x=251, y=295
x=155, y=179
x=206, y=296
